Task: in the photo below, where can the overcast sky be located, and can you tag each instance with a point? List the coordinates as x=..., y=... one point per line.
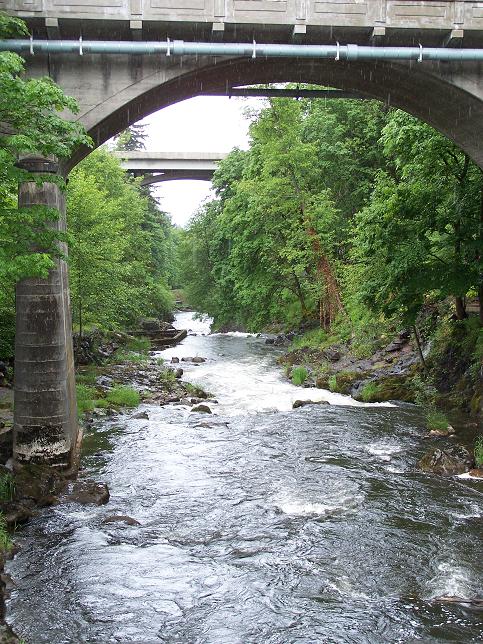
x=201, y=124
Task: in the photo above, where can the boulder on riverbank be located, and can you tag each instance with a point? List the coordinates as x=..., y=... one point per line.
x=446, y=462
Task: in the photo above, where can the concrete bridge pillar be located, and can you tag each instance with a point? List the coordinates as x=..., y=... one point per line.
x=45, y=413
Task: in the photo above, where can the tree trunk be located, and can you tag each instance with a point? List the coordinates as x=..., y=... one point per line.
x=460, y=308
x=418, y=342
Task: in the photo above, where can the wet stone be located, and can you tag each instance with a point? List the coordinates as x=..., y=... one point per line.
x=87, y=492
x=202, y=409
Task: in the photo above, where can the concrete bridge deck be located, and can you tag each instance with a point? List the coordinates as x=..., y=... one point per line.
x=158, y=167
x=396, y=21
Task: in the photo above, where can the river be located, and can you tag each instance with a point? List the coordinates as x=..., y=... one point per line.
x=259, y=524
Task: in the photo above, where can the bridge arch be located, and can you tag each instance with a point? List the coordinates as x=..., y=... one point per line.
x=447, y=96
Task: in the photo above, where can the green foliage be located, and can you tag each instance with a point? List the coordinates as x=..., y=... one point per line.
x=479, y=451
x=436, y=420
x=167, y=377
x=369, y=392
x=121, y=247
x=140, y=345
x=332, y=382
x=299, y=375
x=85, y=398
x=133, y=138
x=313, y=339
x=194, y=390
x=346, y=204
x=123, y=396
x=6, y=543
x=101, y=403
x=132, y=357
x=30, y=122
x=7, y=486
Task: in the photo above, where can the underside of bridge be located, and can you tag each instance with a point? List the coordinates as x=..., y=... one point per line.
x=117, y=90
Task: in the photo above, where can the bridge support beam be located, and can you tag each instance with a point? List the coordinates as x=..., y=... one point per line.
x=45, y=414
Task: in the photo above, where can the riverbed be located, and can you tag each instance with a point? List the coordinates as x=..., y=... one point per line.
x=259, y=524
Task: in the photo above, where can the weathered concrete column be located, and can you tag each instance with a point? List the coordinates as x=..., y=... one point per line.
x=45, y=415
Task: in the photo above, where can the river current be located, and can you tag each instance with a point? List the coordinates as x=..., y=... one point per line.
x=259, y=524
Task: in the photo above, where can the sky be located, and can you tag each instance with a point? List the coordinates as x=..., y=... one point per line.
x=200, y=124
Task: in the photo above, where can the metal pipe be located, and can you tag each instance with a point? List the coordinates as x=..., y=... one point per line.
x=252, y=50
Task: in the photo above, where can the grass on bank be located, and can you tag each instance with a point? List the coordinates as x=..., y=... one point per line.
x=436, y=420
x=6, y=543
x=7, y=486
x=370, y=392
x=479, y=451
x=299, y=375
x=89, y=399
x=123, y=396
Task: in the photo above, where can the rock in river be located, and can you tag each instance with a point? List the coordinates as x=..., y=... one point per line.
x=85, y=492
x=447, y=462
x=203, y=409
x=121, y=518
x=304, y=403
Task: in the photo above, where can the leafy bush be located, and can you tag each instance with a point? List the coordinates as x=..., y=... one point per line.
x=299, y=375
x=436, y=419
x=124, y=396
x=314, y=339
x=479, y=451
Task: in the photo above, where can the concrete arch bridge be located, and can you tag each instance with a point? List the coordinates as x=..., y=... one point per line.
x=124, y=59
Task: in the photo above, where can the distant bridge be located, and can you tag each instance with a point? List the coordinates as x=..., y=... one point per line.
x=157, y=167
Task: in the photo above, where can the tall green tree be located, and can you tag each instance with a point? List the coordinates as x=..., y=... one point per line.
x=30, y=122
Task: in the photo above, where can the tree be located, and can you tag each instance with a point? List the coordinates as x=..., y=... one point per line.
x=421, y=233
x=120, y=244
x=29, y=123
x=131, y=139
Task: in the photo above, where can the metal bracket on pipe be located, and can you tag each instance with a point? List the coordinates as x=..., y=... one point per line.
x=254, y=52
x=420, y=59
x=168, y=47
x=81, y=52
x=337, y=56
x=32, y=45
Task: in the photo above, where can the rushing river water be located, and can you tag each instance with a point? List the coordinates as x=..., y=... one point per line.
x=259, y=524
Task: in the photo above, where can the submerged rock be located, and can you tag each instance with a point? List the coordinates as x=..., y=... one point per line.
x=85, y=492
x=198, y=360
x=121, y=518
x=454, y=599
x=304, y=403
x=202, y=409
x=140, y=415
x=446, y=462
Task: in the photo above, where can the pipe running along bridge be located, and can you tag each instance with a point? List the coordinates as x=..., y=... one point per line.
x=124, y=59
x=158, y=167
